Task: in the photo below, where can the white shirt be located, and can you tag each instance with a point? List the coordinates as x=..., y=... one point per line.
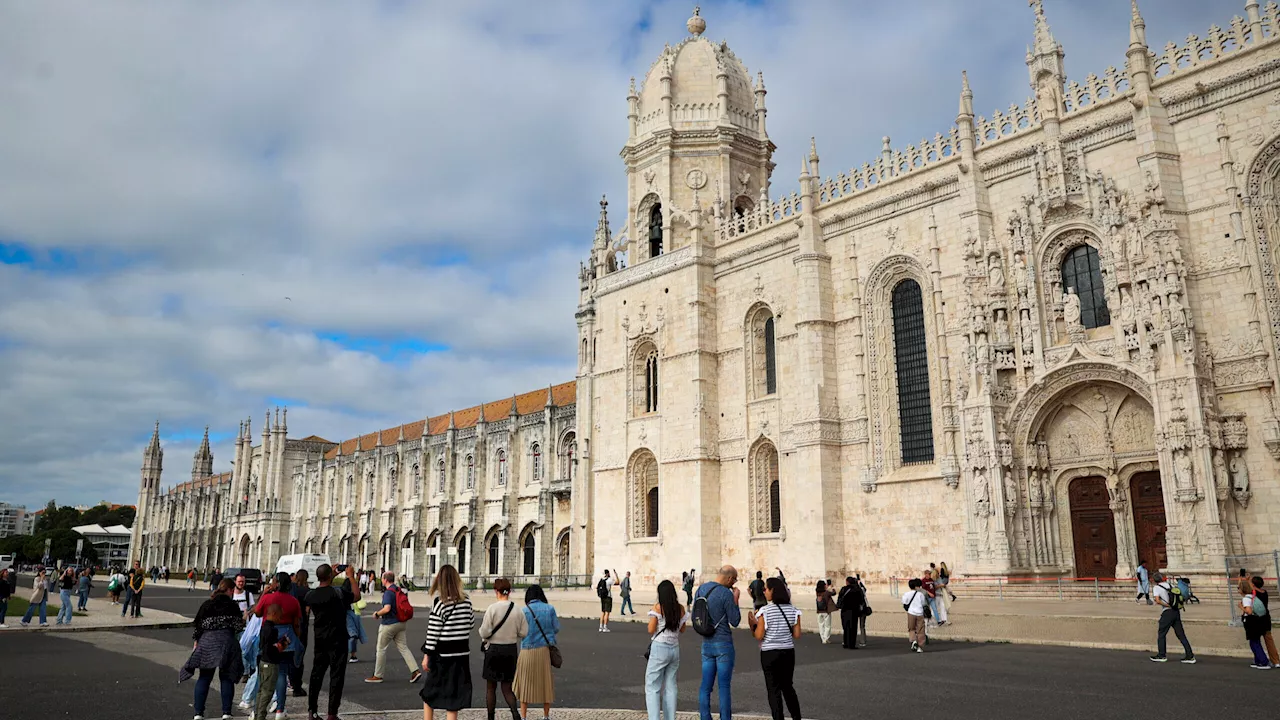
x=242, y=598
x=1161, y=592
x=915, y=601
x=665, y=635
x=777, y=633
x=608, y=585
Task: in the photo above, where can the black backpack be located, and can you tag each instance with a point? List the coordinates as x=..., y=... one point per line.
x=601, y=589
x=701, y=616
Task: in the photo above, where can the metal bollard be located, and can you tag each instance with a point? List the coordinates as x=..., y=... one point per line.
x=1000, y=587
x=1097, y=592
x=1059, y=588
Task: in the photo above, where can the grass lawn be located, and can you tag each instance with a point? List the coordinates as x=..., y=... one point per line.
x=18, y=608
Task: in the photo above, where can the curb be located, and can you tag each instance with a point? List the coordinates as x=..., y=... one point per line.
x=1212, y=652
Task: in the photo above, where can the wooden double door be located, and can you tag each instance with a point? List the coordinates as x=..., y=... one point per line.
x=1093, y=525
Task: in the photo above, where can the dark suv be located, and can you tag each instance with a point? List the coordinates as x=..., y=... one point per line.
x=252, y=578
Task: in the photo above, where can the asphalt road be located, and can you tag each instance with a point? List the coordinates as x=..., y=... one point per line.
x=123, y=675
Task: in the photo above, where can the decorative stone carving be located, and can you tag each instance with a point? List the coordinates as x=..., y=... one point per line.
x=1071, y=315
x=1240, y=479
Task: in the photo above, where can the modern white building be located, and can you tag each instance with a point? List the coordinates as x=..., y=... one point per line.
x=112, y=543
x=14, y=520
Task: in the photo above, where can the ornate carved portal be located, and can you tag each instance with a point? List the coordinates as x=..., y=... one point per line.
x=1089, y=499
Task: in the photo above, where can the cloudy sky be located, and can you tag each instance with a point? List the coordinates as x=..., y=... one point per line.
x=373, y=211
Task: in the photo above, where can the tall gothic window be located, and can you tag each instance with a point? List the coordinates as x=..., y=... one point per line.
x=502, y=467
x=655, y=231
x=471, y=472
x=493, y=553
x=536, y=451
x=440, y=476
x=1082, y=273
x=644, y=495
x=527, y=547
x=915, y=413
x=762, y=349
x=645, y=383
x=766, y=500
x=417, y=480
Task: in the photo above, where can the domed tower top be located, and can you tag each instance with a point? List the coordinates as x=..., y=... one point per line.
x=697, y=84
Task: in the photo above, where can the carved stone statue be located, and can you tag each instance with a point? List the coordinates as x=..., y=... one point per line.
x=1002, y=328
x=1010, y=487
x=1028, y=335
x=981, y=493
x=1071, y=308
x=1221, y=480
x=1114, y=491
x=1176, y=314
x=1047, y=98
x=1239, y=474
x=1182, y=469
x=1035, y=490
x=995, y=276
x=1127, y=312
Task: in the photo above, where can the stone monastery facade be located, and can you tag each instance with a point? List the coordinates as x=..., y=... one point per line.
x=1043, y=342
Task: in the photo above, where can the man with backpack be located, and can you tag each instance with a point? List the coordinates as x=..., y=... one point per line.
x=394, y=614
x=714, y=615
x=604, y=589
x=1169, y=596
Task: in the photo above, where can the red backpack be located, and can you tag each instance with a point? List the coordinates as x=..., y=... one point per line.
x=404, y=611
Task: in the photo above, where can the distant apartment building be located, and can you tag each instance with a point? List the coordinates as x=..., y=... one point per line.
x=14, y=520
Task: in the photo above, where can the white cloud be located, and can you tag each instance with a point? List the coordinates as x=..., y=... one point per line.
x=204, y=161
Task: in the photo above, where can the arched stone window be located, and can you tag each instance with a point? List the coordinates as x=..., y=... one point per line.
x=502, y=468
x=417, y=480
x=643, y=479
x=762, y=352
x=1082, y=272
x=655, y=230
x=527, y=553
x=567, y=456
x=351, y=490
x=460, y=543
x=911, y=357
x=440, y=475
x=766, y=510
x=535, y=464
x=742, y=207
x=645, y=378
x=493, y=549
x=471, y=472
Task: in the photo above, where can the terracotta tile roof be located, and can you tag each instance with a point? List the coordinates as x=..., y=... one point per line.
x=211, y=481
x=528, y=403
x=315, y=438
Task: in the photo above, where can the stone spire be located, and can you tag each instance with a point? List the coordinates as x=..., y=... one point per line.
x=602, y=225
x=813, y=158
x=966, y=96
x=202, y=465
x=1044, y=42
x=550, y=403
x=761, y=111
x=154, y=453
x=515, y=409
x=1138, y=55
x=1045, y=67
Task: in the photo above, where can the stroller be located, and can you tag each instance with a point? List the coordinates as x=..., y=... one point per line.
x=1184, y=585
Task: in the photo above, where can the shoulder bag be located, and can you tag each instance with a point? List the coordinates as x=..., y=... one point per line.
x=556, y=659
x=484, y=642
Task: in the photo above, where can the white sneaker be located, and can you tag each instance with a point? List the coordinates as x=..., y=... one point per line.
x=2, y=625
x=198, y=717
x=272, y=706
x=606, y=630
x=226, y=717
x=244, y=705
x=282, y=716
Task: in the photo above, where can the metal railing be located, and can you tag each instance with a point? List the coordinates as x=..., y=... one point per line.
x=1095, y=589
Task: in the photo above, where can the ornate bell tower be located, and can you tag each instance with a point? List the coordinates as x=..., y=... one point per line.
x=697, y=137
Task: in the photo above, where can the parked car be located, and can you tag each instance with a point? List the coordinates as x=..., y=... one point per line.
x=252, y=578
x=293, y=563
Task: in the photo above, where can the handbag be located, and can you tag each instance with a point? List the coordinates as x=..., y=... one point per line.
x=484, y=642
x=866, y=610
x=556, y=659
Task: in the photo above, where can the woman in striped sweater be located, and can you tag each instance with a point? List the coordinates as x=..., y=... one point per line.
x=446, y=653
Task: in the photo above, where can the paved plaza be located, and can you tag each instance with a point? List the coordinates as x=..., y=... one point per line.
x=135, y=668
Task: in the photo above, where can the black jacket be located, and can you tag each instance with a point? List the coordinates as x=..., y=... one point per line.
x=851, y=598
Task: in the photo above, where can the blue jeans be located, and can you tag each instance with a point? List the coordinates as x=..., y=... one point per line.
x=717, y=668
x=84, y=600
x=250, y=658
x=43, y=605
x=4, y=609
x=65, y=610
x=660, y=680
x=282, y=679
x=226, y=688
x=128, y=597
x=626, y=603
x=933, y=607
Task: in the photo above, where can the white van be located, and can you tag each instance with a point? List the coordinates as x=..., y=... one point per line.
x=293, y=563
